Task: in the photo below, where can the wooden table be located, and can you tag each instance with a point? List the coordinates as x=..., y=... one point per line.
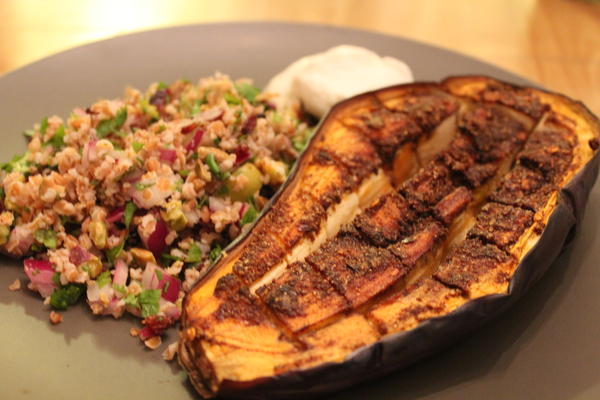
x=553, y=42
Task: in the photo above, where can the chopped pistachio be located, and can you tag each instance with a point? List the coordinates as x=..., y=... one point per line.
x=174, y=216
x=4, y=234
x=247, y=190
x=93, y=267
x=142, y=256
x=98, y=233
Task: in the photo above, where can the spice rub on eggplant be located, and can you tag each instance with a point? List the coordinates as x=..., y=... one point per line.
x=411, y=207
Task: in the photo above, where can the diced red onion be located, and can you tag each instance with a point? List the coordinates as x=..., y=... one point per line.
x=78, y=255
x=116, y=307
x=89, y=151
x=171, y=292
x=249, y=125
x=20, y=240
x=160, y=99
x=121, y=273
x=211, y=114
x=40, y=274
x=170, y=309
x=133, y=176
x=216, y=204
x=156, y=242
x=195, y=140
x=242, y=154
x=116, y=214
x=188, y=128
x=146, y=333
x=167, y=155
x=149, y=278
x=243, y=209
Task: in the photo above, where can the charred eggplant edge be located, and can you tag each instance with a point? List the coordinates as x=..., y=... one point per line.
x=403, y=348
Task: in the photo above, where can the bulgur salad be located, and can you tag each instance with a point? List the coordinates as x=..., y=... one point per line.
x=127, y=201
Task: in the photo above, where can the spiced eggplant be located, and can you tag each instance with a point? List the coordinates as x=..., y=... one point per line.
x=417, y=213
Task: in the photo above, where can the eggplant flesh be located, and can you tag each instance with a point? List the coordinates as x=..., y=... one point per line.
x=416, y=213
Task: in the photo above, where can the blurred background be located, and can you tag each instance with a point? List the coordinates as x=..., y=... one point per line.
x=553, y=42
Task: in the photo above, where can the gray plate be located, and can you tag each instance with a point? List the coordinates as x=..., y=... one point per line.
x=545, y=347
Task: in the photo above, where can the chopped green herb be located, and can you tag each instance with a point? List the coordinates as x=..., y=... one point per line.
x=2, y=193
x=248, y=91
x=114, y=252
x=222, y=190
x=130, y=209
x=196, y=106
x=148, y=301
x=137, y=146
x=231, y=99
x=66, y=296
x=194, y=254
x=202, y=201
x=159, y=274
x=44, y=126
x=162, y=86
x=249, y=216
x=46, y=237
x=57, y=140
x=142, y=186
x=18, y=163
x=56, y=279
x=108, y=126
x=132, y=300
x=119, y=288
x=29, y=133
x=149, y=109
x=215, y=253
x=184, y=172
x=276, y=117
x=161, y=128
x=103, y=279
x=168, y=257
x=216, y=141
x=212, y=164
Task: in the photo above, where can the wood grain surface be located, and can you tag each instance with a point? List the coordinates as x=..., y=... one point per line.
x=553, y=42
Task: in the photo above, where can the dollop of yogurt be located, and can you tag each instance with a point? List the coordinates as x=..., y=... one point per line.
x=320, y=80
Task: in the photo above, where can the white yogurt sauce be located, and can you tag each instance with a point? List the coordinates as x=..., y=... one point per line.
x=320, y=80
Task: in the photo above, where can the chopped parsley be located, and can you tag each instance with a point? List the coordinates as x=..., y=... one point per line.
x=148, y=302
x=44, y=126
x=159, y=274
x=112, y=125
x=248, y=91
x=66, y=296
x=103, y=279
x=120, y=289
x=130, y=209
x=231, y=99
x=58, y=139
x=137, y=146
x=113, y=253
x=249, y=216
x=215, y=253
x=142, y=186
x=194, y=254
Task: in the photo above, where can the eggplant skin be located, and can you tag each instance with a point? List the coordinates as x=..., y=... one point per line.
x=558, y=219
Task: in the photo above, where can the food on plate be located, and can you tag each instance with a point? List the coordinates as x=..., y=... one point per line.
x=416, y=213
x=128, y=200
x=320, y=80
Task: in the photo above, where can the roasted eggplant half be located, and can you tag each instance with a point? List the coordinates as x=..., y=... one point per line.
x=417, y=213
